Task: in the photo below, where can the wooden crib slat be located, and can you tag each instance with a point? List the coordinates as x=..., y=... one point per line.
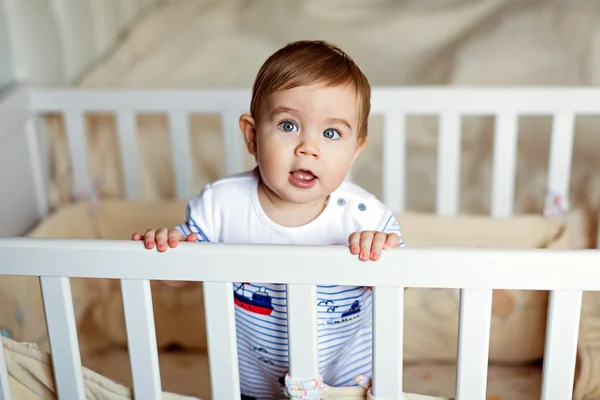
x=221, y=337
x=561, y=151
x=180, y=152
x=505, y=160
x=562, y=330
x=232, y=143
x=388, y=333
x=130, y=160
x=141, y=338
x=394, y=161
x=303, y=331
x=77, y=141
x=4, y=385
x=448, y=164
x=473, y=343
x=62, y=332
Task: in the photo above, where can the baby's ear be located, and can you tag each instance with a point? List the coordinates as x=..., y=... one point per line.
x=248, y=128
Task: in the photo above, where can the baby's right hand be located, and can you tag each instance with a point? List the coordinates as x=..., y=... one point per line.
x=163, y=238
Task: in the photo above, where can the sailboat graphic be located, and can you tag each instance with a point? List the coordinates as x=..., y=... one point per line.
x=354, y=308
x=351, y=313
x=259, y=303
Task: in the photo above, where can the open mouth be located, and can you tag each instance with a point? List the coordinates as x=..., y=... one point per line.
x=304, y=175
x=303, y=178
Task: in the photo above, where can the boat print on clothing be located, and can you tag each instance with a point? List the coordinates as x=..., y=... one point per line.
x=348, y=315
x=259, y=303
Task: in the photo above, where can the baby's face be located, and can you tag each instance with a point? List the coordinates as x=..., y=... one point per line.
x=307, y=141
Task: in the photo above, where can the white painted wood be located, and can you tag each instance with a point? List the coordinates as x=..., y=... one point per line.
x=486, y=100
x=180, y=149
x=394, y=161
x=77, y=141
x=561, y=150
x=222, y=344
x=473, y=343
x=144, y=100
x=505, y=161
x=414, y=100
x=303, y=331
x=38, y=171
x=232, y=141
x=388, y=333
x=62, y=332
x=19, y=198
x=562, y=329
x=4, y=384
x=524, y=269
x=141, y=338
x=130, y=160
x=448, y=164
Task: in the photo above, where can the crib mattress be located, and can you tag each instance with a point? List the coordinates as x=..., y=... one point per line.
x=187, y=373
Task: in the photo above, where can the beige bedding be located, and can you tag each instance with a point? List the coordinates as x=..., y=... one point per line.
x=431, y=316
x=30, y=377
x=188, y=373
x=211, y=43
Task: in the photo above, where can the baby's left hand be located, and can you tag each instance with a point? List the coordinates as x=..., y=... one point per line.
x=370, y=243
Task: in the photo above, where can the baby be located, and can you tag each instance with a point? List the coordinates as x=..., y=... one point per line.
x=307, y=124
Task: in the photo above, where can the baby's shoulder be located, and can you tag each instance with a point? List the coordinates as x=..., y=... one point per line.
x=360, y=202
x=234, y=188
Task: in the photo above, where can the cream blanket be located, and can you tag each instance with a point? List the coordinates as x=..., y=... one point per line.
x=30, y=374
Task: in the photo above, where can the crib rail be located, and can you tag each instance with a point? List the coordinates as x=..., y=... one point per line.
x=450, y=104
x=477, y=272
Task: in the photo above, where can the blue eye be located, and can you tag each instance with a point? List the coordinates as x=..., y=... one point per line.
x=288, y=126
x=330, y=133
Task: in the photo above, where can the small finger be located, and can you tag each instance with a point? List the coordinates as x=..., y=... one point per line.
x=192, y=237
x=354, y=242
x=378, y=242
x=392, y=240
x=149, y=239
x=136, y=236
x=174, y=236
x=161, y=239
x=366, y=241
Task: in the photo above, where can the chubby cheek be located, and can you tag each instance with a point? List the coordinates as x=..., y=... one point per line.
x=272, y=162
x=337, y=165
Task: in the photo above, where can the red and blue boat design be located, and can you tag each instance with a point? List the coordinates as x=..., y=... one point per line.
x=259, y=303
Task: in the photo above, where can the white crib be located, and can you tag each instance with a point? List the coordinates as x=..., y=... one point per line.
x=475, y=271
